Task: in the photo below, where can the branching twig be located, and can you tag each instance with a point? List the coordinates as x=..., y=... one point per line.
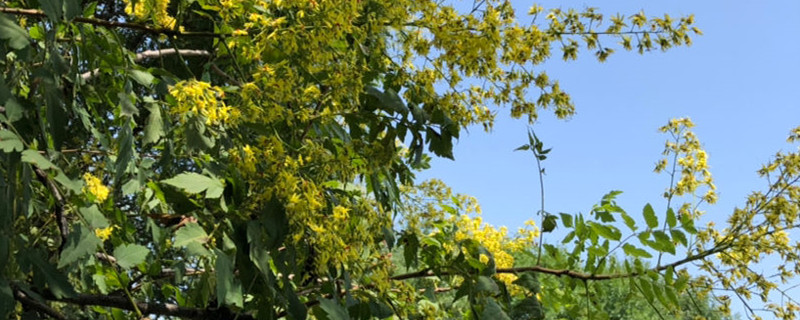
x=116, y=24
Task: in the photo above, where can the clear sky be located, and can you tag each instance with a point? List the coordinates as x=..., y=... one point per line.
x=738, y=82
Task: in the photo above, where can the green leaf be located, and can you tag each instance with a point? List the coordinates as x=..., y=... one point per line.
x=80, y=243
x=34, y=157
x=633, y=251
x=672, y=296
x=73, y=185
x=14, y=110
x=493, y=311
x=650, y=216
x=72, y=9
x=9, y=142
x=647, y=289
x=549, y=224
x=190, y=233
x=125, y=154
x=662, y=242
x=334, y=310
x=523, y=147
x=52, y=8
x=17, y=37
x=688, y=224
x=7, y=302
x=608, y=232
x=528, y=280
x=127, y=105
x=671, y=221
x=44, y=271
x=629, y=221
x=142, y=77
x=229, y=291
x=566, y=219
x=297, y=309
x=679, y=236
x=528, y=308
x=258, y=248
x=154, y=129
x=130, y=255
x=196, y=183
x=486, y=284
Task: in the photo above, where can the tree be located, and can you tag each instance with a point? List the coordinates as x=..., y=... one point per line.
x=255, y=160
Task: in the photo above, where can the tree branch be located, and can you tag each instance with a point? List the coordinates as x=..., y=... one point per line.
x=569, y=273
x=116, y=24
x=34, y=304
x=161, y=309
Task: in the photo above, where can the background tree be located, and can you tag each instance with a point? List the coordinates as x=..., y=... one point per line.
x=254, y=159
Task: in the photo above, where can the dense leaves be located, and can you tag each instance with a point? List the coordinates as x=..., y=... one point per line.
x=216, y=159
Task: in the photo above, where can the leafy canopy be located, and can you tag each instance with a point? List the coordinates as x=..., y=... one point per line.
x=255, y=160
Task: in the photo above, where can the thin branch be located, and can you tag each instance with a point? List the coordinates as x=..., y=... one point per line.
x=161, y=309
x=150, y=54
x=221, y=73
x=116, y=24
x=165, y=272
x=34, y=304
x=61, y=220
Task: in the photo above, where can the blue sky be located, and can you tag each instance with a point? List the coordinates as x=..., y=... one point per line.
x=738, y=82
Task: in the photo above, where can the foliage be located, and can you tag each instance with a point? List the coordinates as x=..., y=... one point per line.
x=255, y=159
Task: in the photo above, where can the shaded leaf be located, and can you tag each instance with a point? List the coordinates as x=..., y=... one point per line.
x=334, y=310
x=493, y=311
x=194, y=183
x=34, y=157
x=154, y=129
x=229, y=290
x=549, y=224
x=9, y=142
x=142, y=77
x=130, y=255
x=80, y=243
x=17, y=37
x=190, y=233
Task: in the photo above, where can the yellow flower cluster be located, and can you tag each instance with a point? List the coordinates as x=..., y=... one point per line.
x=199, y=98
x=95, y=188
x=690, y=162
x=104, y=233
x=496, y=240
x=151, y=9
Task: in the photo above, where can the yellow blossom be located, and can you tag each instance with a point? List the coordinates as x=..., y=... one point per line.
x=104, y=233
x=95, y=187
x=340, y=213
